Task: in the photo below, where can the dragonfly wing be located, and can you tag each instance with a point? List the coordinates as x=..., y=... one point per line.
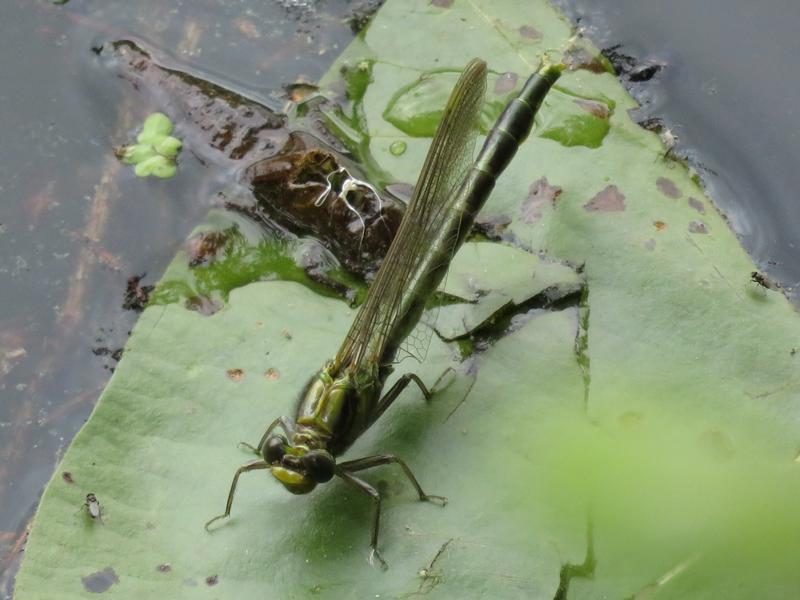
x=379, y=327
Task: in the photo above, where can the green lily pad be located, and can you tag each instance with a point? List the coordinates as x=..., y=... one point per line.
x=488, y=290
x=642, y=444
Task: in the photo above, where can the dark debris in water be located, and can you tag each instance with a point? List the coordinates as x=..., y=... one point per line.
x=310, y=190
x=644, y=72
x=115, y=354
x=361, y=15
x=136, y=294
x=100, y=581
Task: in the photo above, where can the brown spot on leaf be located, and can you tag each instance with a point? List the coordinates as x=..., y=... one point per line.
x=286, y=334
x=598, y=109
x=164, y=568
x=697, y=227
x=530, y=32
x=272, y=374
x=235, y=374
x=442, y=3
x=609, y=199
x=67, y=477
x=668, y=187
x=650, y=244
x=212, y=580
x=697, y=205
x=100, y=581
x=660, y=225
x=540, y=194
x=505, y=83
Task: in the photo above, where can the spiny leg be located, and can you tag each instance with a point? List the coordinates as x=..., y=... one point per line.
x=360, y=464
x=283, y=422
x=243, y=469
x=346, y=469
x=370, y=491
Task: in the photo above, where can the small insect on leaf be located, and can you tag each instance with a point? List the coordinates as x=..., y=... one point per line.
x=764, y=281
x=92, y=506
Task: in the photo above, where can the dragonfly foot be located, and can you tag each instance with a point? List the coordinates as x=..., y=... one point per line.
x=249, y=447
x=440, y=500
x=374, y=556
x=217, y=518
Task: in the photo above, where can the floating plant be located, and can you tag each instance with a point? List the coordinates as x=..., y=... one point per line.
x=155, y=150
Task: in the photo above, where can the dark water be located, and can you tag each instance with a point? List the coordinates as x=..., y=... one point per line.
x=730, y=89
x=75, y=225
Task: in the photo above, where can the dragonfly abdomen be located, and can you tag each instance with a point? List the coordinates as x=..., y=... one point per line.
x=514, y=124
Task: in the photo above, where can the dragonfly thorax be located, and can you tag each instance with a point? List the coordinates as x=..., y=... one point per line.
x=325, y=409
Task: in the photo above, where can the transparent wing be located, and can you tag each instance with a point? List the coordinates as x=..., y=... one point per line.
x=431, y=205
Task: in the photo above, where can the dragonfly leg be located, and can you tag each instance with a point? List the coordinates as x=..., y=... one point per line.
x=402, y=383
x=283, y=422
x=346, y=469
x=370, y=491
x=243, y=469
x=360, y=464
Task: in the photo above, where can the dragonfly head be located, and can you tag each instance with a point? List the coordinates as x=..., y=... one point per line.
x=297, y=468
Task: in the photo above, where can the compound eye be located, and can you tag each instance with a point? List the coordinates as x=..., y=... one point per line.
x=319, y=465
x=275, y=448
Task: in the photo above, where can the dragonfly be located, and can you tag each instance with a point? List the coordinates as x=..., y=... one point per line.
x=344, y=398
